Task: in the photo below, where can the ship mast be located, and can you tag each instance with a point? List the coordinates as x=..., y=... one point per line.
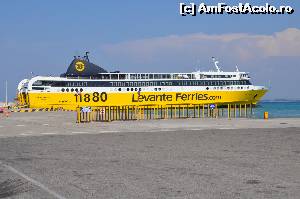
x=216, y=64
x=6, y=103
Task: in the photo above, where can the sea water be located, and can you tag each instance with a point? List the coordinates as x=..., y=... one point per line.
x=286, y=109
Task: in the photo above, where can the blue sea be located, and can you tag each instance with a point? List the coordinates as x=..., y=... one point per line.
x=286, y=109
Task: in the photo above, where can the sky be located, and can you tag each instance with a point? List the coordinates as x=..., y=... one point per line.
x=148, y=36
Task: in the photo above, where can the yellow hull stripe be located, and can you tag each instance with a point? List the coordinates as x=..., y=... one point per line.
x=69, y=101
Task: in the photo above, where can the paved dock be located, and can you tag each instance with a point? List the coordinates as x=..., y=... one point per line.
x=48, y=155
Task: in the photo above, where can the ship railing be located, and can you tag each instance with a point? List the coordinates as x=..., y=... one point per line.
x=170, y=111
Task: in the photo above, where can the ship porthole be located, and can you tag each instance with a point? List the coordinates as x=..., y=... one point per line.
x=81, y=89
x=62, y=90
x=72, y=89
x=76, y=89
x=67, y=90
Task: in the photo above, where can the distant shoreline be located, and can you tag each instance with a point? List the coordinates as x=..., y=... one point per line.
x=281, y=100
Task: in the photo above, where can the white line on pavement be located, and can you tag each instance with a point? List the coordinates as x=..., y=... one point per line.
x=20, y=125
x=79, y=132
x=109, y=131
x=166, y=130
x=26, y=134
x=48, y=133
x=46, y=124
x=195, y=129
x=43, y=187
x=224, y=128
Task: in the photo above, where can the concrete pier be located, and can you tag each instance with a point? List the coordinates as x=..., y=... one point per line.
x=47, y=155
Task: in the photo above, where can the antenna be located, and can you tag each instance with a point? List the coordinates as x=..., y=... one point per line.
x=87, y=56
x=198, y=66
x=216, y=64
x=237, y=68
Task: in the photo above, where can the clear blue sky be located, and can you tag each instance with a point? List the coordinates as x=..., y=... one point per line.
x=42, y=36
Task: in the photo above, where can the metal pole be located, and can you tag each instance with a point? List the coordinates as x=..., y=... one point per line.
x=228, y=111
x=6, y=103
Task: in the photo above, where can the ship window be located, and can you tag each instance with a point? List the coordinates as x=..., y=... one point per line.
x=159, y=89
x=155, y=89
x=114, y=76
x=67, y=89
x=37, y=83
x=140, y=89
x=62, y=90
x=122, y=76
x=119, y=89
x=135, y=89
x=72, y=89
x=37, y=88
x=127, y=89
x=76, y=89
x=132, y=76
x=81, y=89
x=105, y=76
x=150, y=76
x=143, y=76
x=131, y=89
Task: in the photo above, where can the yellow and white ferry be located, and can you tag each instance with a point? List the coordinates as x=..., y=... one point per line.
x=86, y=84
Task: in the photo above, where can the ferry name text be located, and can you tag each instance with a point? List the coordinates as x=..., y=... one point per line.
x=169, y=97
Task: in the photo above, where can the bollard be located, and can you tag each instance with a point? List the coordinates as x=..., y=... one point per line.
x=266, y=115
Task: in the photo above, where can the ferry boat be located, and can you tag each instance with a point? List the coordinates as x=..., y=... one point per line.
x=86, y=84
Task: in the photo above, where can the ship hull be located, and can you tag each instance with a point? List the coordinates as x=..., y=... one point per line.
x=70, y=101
